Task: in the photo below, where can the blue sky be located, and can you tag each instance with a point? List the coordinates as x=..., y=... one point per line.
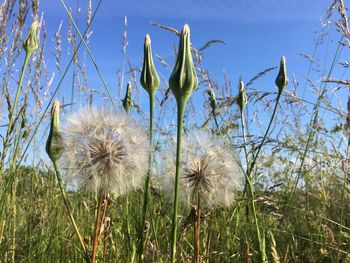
x=257, y=33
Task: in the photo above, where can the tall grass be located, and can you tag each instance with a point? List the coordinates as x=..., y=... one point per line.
x=297, y=164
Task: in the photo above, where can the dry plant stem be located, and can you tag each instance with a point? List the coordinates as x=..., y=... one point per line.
x=70, y=215
x=148, y=178
x=197, y=231
x=181, y=104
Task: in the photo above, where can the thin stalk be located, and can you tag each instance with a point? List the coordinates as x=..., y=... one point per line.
x=244, y=146
x=250, y=185
x=14, y=109
x=131, y=245
x=208, y=240
x=249, y=171
x=181, y=104
x=196, y=244
x=70, y=215
x=106, y=233
x=90, y=55
x=97, y=228
x=148, y=178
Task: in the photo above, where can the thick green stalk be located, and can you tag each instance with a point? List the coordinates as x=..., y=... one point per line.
x=69, y=212
x=148, y=178
x=181, y=104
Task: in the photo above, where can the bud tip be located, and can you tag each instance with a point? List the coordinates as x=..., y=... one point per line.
x=147, y=40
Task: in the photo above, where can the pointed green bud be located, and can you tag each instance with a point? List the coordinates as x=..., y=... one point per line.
x=54, y=144
x=31, y=42
x=127, y=101
x=242, y=96
x=149, y=76
x=282, y=79
x=183, y=80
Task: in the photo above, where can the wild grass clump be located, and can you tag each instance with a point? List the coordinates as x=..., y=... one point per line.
x=252, y=176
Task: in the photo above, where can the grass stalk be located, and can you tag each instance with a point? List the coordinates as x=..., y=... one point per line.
x=196, y=244
x=69, y=212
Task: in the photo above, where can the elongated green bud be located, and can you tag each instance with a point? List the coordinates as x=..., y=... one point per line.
x=282, y=79
x=31, y=42
x=183, y=80
x=54, y=144
x=242, y=96
x=149, y=76
x=127, y=101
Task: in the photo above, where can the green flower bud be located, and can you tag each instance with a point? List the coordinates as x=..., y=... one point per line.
x=54, y=144
x=127, y=101
x=242, y=96
x=282, y=79
x=149, y=76
x=31, y=42
x=183, y=80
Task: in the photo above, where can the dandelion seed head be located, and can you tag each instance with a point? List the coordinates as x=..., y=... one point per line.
x=104, y=151
x=208, y=167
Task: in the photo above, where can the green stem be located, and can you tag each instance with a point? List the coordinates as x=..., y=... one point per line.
x=249, y=171
x=181, y=104
x=70, y=215
x=196, y=244
x=14, y=109
x=250, y=185
x=148, y=178
x=244, y=139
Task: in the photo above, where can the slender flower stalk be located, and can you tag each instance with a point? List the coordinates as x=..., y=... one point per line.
x=128, y=104
x=150, y=82
x=182, y=82
x=30, y=45
x=281, y=82
x=55, y=149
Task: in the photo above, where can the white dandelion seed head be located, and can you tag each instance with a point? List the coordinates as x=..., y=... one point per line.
x=208, y=166
x=104, y=151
